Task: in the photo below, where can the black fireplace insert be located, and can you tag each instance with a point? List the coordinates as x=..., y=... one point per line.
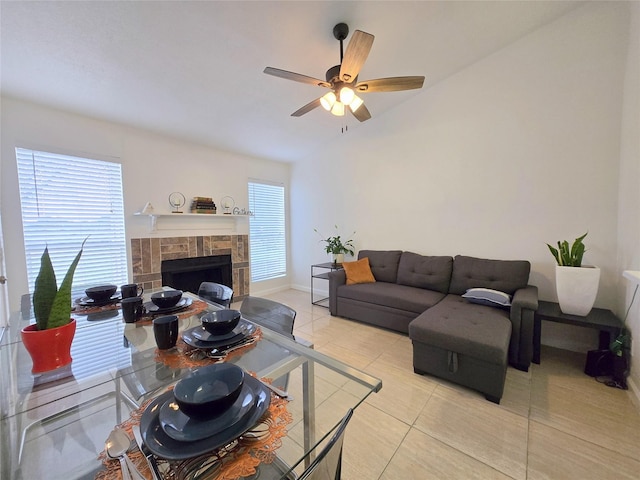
x=187, y=274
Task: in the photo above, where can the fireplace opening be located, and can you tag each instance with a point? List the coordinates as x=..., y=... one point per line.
x=187, y=274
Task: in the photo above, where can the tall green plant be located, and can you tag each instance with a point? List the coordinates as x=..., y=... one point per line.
x=52, y=305
x=569, y=257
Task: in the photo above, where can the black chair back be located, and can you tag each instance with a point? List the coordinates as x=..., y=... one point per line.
x=270, y=314
x=216, y=293
x=327, y=464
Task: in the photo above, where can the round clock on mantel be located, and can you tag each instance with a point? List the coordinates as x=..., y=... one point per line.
x=177, y=201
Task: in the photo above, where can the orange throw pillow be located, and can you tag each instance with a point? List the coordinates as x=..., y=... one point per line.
x=358, y=272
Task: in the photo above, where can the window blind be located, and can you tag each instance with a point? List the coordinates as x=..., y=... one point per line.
x=267, y=239
x=65, y=199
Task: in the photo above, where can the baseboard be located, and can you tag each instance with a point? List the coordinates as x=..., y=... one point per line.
x=634, y=392
x=269, y=291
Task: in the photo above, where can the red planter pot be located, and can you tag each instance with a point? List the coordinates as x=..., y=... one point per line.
x=49, y=349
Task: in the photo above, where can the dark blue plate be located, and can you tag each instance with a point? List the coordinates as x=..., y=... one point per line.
x=166, y=447
x=180, y=426
x=153, y=309
x=190, y=339
x=89, y=302
x=204, y=335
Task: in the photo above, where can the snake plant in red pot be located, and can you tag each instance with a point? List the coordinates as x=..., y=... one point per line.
x=48, y=341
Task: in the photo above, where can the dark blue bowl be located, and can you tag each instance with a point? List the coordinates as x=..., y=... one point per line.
x=221, y=322
x=166, y=299
x=101, y=293
x=209, y=390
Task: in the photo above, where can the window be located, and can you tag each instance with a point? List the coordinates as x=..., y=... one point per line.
x=64, y=200
x=267, y=240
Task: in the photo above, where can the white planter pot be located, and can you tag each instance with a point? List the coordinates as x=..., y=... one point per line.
x=577, y=288
x=338, y=257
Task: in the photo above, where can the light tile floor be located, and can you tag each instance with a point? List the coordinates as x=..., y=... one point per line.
x=554, y=422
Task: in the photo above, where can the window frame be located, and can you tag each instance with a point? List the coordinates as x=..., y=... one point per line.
x=103, y=243
x=259, y=253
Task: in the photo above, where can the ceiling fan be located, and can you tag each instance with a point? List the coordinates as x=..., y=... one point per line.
x=342, y=80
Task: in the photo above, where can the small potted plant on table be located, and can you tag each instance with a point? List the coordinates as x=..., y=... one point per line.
x=337, y=247
x=48, y=341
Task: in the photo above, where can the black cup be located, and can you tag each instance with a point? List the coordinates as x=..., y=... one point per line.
x=165, y=329
x=132, y=309
x=131, y=290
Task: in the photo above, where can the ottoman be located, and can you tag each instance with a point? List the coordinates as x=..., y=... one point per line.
x=463, y=343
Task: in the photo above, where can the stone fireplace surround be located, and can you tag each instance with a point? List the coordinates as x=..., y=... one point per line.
x=147, y=255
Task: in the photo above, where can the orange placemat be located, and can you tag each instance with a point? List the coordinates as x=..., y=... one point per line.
x=186, y=356
x=84, y=310
x=196, y=307
x=256, y=446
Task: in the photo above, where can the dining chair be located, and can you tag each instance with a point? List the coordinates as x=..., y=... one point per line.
x=327, y=464
x=270, y=314
x=274, y=316
x=216, y=293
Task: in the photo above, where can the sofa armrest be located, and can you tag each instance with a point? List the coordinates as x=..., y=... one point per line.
x=523, y=307
x=336, y=279
x=526, y=298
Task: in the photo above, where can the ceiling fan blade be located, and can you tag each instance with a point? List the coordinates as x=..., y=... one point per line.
x=307, y=108
x=362, y=113
x=355, y=55
x=392, y=84
x=296, y=77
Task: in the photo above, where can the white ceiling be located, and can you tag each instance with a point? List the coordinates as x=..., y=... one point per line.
x=193, y=70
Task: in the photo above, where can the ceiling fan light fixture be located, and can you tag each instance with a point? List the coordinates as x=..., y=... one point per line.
x=342, y=79
x=328, y=100
x=346, y=95
x=338, y=109
x=355, y=103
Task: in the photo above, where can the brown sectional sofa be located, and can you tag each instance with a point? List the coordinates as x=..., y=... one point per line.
x=466, y=343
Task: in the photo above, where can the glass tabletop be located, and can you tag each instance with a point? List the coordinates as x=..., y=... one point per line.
x=54, y=425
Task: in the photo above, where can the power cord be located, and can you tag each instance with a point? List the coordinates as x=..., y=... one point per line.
x=624, y=320
x=614, y=383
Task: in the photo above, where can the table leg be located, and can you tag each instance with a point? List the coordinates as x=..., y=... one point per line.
x=604, y=340
x=537, y=334
x=309, y=410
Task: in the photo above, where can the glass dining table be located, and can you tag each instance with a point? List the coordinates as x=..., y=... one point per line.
x=54, y=425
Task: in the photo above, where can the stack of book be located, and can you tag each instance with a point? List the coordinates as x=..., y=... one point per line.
x=203, y=205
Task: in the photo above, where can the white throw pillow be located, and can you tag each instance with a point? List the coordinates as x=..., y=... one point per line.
x=486, y=296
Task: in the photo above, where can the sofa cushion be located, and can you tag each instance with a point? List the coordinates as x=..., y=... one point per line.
x=423, y=271
x=384, y=263
x=402, y=297
x=458, y=326
x=358, y=271
x=503, y=275
x=487, y=296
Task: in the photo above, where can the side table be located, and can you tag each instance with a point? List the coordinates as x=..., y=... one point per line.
x=323, y=274
x=598, y=318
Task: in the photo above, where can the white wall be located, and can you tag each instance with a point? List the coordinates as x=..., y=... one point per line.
x=153, y=166
x=629, y=199
x=517, y=150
